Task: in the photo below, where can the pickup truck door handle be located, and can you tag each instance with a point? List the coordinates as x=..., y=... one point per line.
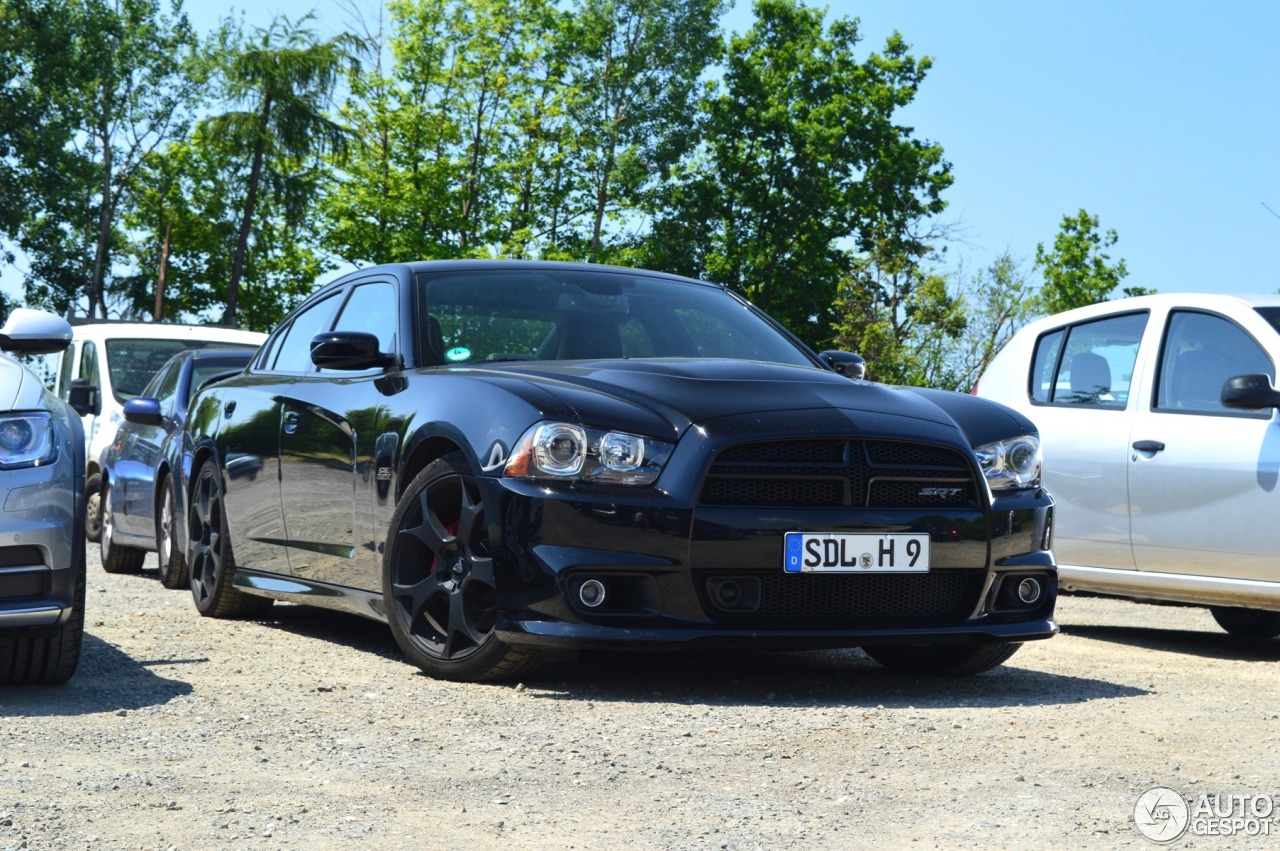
x=1148, y=445
x=290, y=422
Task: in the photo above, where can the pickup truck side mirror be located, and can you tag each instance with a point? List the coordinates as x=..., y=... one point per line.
x=84, y=397
x=1250, y=391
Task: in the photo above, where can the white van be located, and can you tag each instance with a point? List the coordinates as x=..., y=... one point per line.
x=116, y=360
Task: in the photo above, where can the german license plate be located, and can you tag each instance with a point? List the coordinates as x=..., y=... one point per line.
x=893, y=552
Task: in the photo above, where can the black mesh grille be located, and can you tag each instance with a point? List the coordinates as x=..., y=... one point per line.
x=839, y=473
x=814, y=600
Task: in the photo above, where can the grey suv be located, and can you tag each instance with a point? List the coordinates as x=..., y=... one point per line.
x=42, y=543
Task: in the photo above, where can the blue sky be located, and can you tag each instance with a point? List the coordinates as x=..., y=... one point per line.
x=1155, y=116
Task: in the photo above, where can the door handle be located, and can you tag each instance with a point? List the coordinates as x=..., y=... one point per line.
x=290, y=422
x=229, y=408
x=1148, y=446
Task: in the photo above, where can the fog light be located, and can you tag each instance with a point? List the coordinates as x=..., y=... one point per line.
x=1029, y=590
x=728, y=594
x=591, y=593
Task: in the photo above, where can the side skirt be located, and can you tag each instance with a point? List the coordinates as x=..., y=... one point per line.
x=294, y=590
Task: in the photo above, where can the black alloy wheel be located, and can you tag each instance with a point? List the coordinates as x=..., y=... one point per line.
x=209, y=556
x=438, y=580
x=173, y=563
x=116, y=558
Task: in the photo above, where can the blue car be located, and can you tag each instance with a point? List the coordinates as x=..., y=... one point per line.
x=142, y=495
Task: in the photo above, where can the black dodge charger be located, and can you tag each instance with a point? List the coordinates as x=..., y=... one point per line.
x=507, y=460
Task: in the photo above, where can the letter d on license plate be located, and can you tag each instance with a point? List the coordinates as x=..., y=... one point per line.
x=895, y=552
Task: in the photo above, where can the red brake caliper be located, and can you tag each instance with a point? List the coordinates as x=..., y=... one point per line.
x=452, y=529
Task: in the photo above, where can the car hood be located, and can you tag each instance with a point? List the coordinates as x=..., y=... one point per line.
x=669, y=395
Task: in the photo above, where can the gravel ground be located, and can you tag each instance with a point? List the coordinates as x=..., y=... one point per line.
x=309, y=731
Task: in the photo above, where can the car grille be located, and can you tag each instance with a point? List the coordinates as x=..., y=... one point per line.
x=839, y=473
x=844, y=601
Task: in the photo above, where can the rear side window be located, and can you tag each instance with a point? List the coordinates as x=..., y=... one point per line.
x=1090, y=364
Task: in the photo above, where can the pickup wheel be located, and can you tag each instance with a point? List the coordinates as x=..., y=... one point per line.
x=1247, y=623
x=93, y=507
x=944, y=659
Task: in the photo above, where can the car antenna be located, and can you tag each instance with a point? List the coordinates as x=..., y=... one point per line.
x=1271, y=211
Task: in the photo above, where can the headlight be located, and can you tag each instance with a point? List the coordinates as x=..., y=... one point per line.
x=1011, y=464
x=567, y=451
x=26, y=440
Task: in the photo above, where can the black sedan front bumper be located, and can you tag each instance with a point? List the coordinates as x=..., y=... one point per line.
x=707, y=568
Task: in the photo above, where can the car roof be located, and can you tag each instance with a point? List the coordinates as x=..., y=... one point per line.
x=475, y=265
x=108, y=330
x=1205, y=301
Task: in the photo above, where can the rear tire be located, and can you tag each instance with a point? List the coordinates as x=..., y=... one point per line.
x=209, y=557
x=1247, y=623
x=173, y=562
x=116, y=558
x=942, y=659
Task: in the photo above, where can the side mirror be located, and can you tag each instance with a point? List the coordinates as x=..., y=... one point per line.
x=1249, y=391
x=846, y=363
x=348, y=350
x=143, y=410
x=84, y=398
x=34, y=332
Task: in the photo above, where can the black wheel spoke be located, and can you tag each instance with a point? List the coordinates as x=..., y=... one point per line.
x=431, y=532
x=418, y=594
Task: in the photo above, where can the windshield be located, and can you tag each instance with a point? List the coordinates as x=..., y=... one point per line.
x=490, y=315
x=132, y=362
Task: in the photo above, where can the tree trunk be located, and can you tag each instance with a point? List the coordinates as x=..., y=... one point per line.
x=97, y=299
x=163, y=274
x=229, y=317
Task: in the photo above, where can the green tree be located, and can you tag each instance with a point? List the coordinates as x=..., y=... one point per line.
x=284, y=78
x=999, y=300
x=803, y=172
x=1078, y=271
x=635, y=68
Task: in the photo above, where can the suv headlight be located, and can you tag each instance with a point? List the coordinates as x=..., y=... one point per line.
x=1011, y=464
x=566, y=451
x=26, y=440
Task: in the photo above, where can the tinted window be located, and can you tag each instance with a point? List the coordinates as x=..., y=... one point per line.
x=205, y=368
x=572, y=314
x=372, y=309
x=164, y=387
x=1094, y=366
x=295, y=348
x=1201, y=351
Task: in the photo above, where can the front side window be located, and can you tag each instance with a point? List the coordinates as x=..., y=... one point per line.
x=295, y=349
x=371, y=308
x=1201, y=351
x=1089, y=364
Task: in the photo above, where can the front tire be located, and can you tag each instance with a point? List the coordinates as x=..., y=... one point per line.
x=116, y=558
x=47, y=655
x=173, y=563
x=213, y=567
x=942, y=659
x=1247, y=623
x=438, y=580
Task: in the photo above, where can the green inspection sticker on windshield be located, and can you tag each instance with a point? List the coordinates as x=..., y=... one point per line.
x=458, y=353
